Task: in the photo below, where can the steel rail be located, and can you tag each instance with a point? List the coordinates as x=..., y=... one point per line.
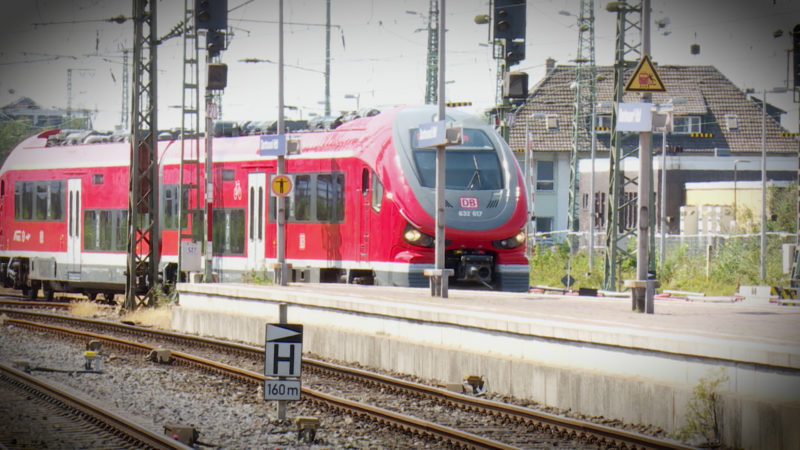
x=560, y=425
x=401, y=422
x=126, y=429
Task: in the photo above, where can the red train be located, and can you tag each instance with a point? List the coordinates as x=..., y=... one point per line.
x=361, y=208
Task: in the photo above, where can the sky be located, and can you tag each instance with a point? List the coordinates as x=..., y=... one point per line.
x=378, y=51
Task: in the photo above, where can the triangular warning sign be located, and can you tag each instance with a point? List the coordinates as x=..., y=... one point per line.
x=645, y=78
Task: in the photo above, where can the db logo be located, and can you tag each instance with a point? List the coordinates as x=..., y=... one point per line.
x=469, y=202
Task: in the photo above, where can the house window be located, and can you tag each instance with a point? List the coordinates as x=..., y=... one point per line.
x=732, y=122
x=544, y=176
x=552, y=121
x=603, y=124
x=686, y=124
x=97, y=178
x=544, y=224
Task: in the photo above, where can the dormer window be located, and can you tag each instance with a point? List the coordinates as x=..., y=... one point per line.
x=603, y=124
x=732, y=122
x=686, y=124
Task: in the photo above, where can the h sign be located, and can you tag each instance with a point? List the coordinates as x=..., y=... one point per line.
x=283, y=350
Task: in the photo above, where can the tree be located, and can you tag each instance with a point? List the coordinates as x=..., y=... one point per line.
x=12, y=132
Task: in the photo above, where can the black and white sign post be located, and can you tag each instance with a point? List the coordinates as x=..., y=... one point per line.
x=283, y=353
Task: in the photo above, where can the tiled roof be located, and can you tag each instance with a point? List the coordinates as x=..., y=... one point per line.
x=708, y=93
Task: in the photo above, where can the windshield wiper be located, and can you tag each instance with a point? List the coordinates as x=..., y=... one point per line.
x=476, y=176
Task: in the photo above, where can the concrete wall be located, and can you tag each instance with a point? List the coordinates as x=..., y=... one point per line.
x=626, y=383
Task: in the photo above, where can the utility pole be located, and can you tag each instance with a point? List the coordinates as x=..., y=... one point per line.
x=143, y=216
x=583, y=107
x=626, y=54
x=327, y=57
x=125, y=114
x=190, y=164
x=432, y=69
x=642, y=296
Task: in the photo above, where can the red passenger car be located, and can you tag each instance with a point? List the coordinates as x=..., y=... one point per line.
x=361, y=208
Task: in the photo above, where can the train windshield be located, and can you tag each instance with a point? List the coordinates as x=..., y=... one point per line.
x=473, y=165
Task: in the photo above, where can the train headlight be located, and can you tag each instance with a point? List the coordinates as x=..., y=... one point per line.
x=511, y=242
x=415, y=237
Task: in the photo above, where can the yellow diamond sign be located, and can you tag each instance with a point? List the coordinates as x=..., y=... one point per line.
x=645, y=78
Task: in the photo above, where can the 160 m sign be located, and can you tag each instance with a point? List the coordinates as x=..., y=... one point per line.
x=282, y=389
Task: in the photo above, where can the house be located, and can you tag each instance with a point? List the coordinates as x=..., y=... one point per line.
x=26, y=109
x=715, y=136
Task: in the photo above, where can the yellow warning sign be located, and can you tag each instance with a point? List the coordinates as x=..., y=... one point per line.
x=281, y=185
x=645, y=78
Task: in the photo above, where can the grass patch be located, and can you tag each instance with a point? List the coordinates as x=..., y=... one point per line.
x=86, y=308
x=159, y=317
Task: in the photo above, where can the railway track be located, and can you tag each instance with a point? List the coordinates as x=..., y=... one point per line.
x=493, y=418
x=66, y=419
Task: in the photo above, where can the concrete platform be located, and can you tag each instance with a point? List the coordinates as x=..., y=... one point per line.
x=593, y=355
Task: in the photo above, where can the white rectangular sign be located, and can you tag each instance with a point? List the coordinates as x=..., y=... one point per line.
x=634, y=117
x=283, y=350
x=281, y=389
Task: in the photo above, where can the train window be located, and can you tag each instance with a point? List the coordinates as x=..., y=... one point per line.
x=302, y=197
x=330, y=197
x=91, y=232
x=120, y=230
x=97, y=178
x=170, y=207
x=2, y=188
x=71, y=212
x=364, y=182
x=260, y=212
x=228, y=231
x=43, y=200
x=466, y=169
x=377, y=192
x=228, y=175
x=55, y=208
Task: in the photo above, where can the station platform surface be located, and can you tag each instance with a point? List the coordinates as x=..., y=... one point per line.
x=759, y=333
x=589, y=354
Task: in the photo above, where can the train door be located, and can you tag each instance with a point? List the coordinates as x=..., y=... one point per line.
x=74, y=229
x=256, y=203
x=364, y=220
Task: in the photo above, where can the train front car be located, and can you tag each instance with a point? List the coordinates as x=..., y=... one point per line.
x=485, y=207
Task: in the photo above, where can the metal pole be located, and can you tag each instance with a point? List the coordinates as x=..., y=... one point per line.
x=642, y=297
x=527, y=173
x=281, y=169
x=663, y=202
x=282, y=318
x=591, y=188
x=441, y=279
x=327, y=58
x=209, y=272
x=763, y=271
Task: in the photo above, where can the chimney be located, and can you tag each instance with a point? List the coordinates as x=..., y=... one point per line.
x=550, y=64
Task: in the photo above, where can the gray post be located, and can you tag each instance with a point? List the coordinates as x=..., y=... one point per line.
x=663, y=201
x=208, y=275
x=642, y=294
x=281, y=169
x=282, y=318
x=763, y=267
x=440, y=279
x=591, y=188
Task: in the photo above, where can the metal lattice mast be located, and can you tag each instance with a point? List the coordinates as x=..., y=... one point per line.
x=125, y=118
x=621, y=204
x=583, y=105
x=432, y=72
x=190, y=199
x=143, y=236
